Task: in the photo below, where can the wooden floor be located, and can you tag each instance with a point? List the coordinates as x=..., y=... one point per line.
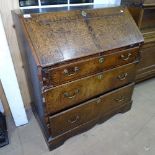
x=132, y=133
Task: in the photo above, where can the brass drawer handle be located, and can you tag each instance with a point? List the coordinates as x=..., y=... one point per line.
x=101, y=60
x=75, y=71
x=100, y=77
x=125, y=58
x=74, y=120
x=84, y=14
x=121, y=99
x=123, y=76
x=73, y=95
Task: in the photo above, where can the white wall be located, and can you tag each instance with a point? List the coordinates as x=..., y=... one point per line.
x=9, y=81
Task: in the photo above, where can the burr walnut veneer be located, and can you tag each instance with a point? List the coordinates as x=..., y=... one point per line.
x=81, y=66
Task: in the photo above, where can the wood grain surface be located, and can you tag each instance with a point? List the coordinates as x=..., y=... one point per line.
x=95, y=108
x=149, y=2
x=62, y=36
x=54, y=76
x=74, y=42
x=145, y=19
x=72, y=93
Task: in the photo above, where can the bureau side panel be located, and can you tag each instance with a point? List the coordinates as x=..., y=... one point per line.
x=32, y=71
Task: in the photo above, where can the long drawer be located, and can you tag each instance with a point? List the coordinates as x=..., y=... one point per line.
x=146, y=67
x=73, y=93
x=93, y=109
x=82, y=68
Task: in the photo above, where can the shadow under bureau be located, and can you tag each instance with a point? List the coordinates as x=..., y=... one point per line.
x=81, y=67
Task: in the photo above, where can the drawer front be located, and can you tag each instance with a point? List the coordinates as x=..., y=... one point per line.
x=146, y=67
x=72, y=118
x=115, y=99
x=89, y=66
x=93, y=109
x=147, y=57
x=67, y=95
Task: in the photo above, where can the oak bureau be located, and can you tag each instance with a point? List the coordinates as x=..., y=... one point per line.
x=81, y=66
x=143, y=12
